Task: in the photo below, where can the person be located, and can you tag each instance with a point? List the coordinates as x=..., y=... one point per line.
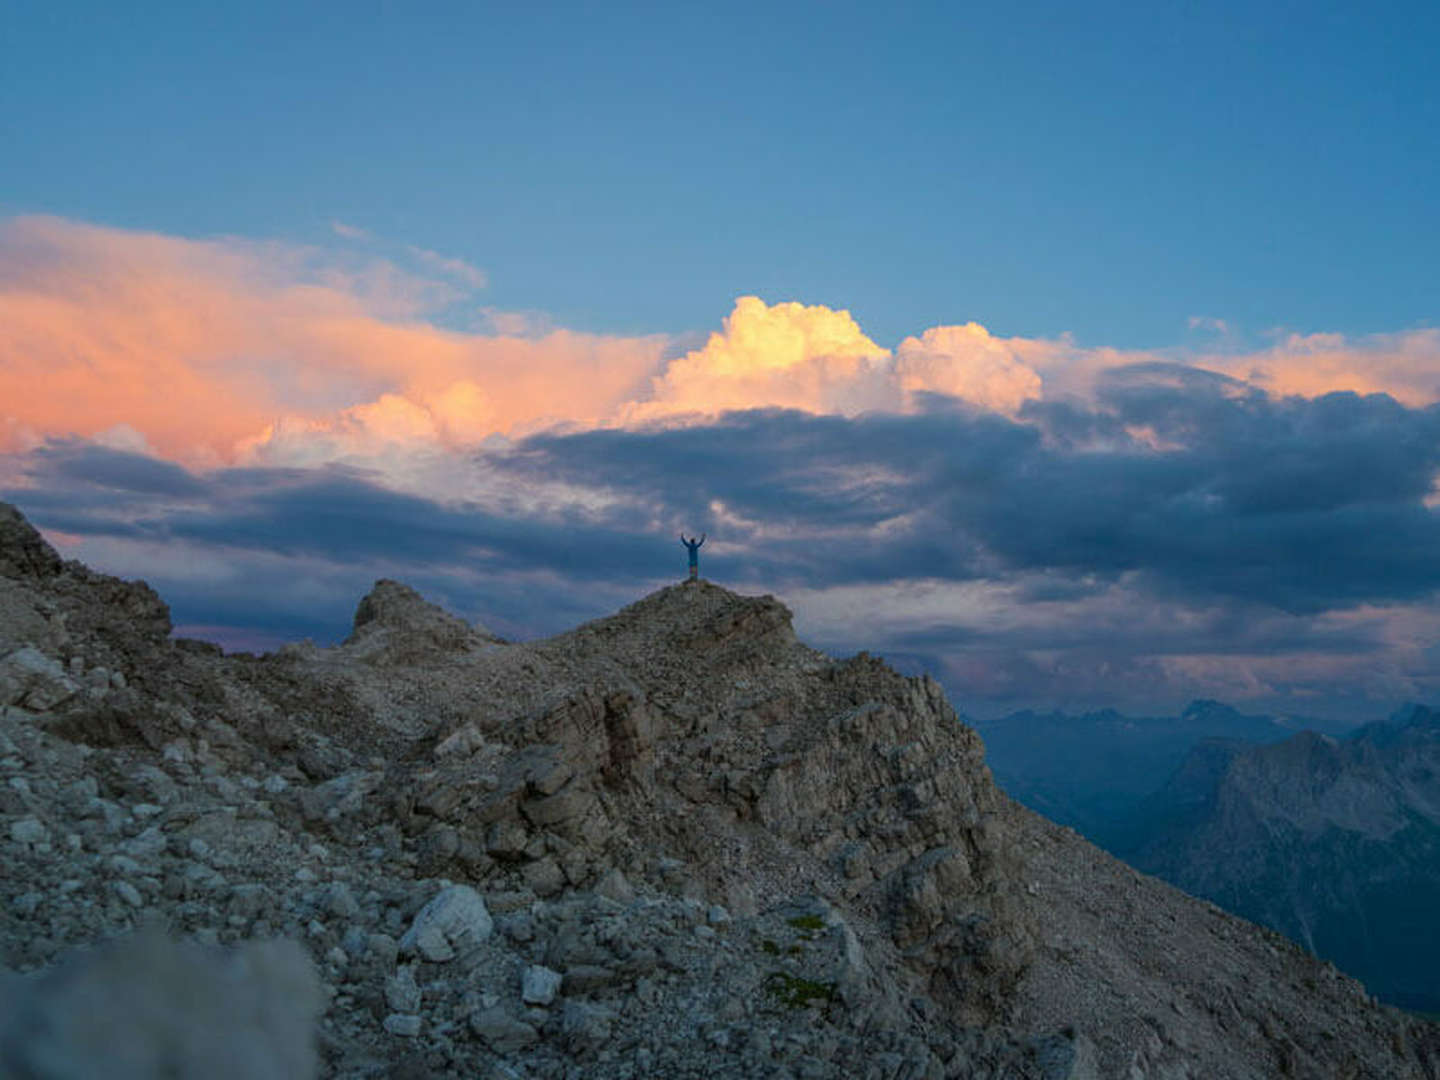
x=693, y=546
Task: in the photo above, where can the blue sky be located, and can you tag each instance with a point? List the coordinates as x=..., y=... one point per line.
x=1104, y=170
x=1081, y=356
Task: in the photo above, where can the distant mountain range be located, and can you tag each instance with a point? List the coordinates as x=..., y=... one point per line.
x=1334, y=841
x=1093, y=771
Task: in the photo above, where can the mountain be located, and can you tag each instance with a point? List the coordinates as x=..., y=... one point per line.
x=1333, y=842
x=1093, y=771
x=672, y=842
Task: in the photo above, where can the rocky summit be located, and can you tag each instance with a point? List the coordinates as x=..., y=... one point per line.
x=674, y=842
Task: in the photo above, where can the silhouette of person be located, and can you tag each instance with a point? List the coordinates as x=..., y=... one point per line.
x=693, y=546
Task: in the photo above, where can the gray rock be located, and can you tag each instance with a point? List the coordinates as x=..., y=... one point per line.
x=402, y=993
x=402, y=1024
x=384, y=949
x=147, y=1007
x=128, y=893
x=454, y=921
x=586, y=1027
x=587, y=978
x=544, y=877
x=340, y=901
x=34, y=681
x=502, y=1032
x=614, y=886
x=29, y=831
x=539, y=985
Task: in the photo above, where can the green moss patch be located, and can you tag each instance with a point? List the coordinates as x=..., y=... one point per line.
x=798, y=993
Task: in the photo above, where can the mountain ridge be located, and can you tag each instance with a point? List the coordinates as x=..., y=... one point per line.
x=674, y=841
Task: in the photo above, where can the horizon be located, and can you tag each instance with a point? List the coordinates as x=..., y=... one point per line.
x=1079, y=359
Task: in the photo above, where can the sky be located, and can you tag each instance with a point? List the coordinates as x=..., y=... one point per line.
x=1081, y=356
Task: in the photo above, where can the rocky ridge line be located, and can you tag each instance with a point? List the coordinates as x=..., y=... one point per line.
x=670, y=842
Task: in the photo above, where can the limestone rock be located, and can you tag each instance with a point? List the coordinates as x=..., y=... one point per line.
x=401, y=992
x=453, y=922
x=539, y=985
x=34, y=681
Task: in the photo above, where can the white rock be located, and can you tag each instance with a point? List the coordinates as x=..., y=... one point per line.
x=539, y=985
x=462, y=742
x=454, y=921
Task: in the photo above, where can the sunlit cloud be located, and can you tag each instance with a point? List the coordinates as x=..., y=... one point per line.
x=1404, y=365
x=225, y=349
x=263, y=428
x=205, y=347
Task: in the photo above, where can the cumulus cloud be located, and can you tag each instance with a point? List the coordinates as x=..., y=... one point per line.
x=785, y=355
x=966, y=362
x=816, y=359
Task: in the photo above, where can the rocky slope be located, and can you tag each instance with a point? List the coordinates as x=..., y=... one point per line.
x=1334, y=842
x=673, y=842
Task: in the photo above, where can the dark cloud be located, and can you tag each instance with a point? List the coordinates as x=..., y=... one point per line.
x=87, y=464
x=1237, y=517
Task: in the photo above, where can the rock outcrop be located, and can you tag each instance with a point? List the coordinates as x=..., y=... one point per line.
x=672, y=842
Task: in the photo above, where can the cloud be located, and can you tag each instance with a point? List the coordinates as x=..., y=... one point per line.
x=459, y=269
x=349, y=232
x=263, y=429
x=1276, y=549
x=816, y=359
x=966, y=362
x=787, y=355
x=1404, y=365
x=206, y=347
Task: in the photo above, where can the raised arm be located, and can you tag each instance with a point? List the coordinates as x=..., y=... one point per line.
x=702, y=541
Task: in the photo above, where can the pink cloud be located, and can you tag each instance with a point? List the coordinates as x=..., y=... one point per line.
x=200, y=346
x=1404, y=365
x=225, y=349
